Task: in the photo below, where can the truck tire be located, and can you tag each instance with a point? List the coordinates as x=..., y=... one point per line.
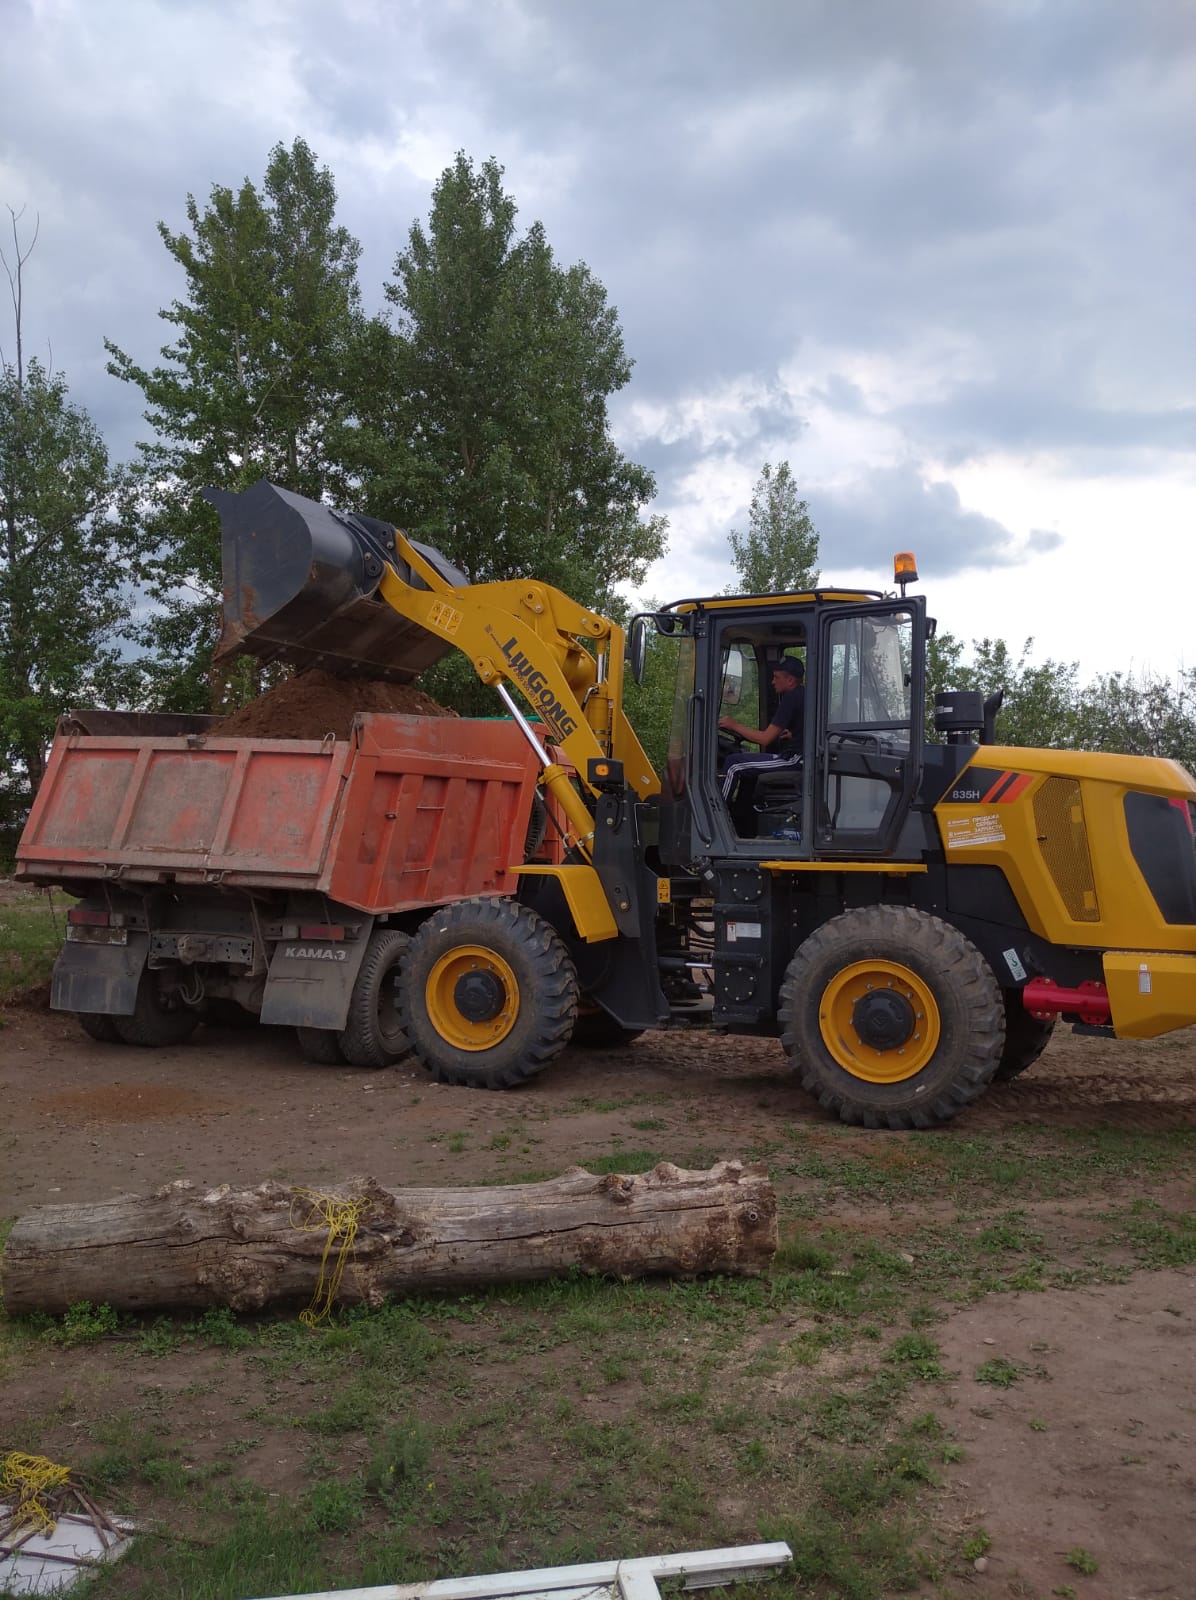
x=99, y=1025
x=159, y=1016
x=373, y=1034
x=1025, y=1038
x=489, y=994
x=321, y=1045
x=891, y=1018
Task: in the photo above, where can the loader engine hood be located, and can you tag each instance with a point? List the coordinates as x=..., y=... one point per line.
x=300, y=585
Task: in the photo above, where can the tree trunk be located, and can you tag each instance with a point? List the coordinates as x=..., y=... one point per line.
x=249, y=1248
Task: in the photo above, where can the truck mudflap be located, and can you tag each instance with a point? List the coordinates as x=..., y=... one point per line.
x=99, y=977
x=310, y=982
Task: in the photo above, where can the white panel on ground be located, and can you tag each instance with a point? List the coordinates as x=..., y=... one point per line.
x=597, y=1580
x=52, y=1563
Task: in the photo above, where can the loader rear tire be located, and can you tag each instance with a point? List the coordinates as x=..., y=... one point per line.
x=160, y=1017
x=373, y=1034
x=489, y=994
x=1025, y=1038
x=321, y=1045
x=99, y=1025
x=891, y=1017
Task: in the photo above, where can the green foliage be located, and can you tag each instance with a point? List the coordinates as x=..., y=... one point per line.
x=999, y=1372
x=254, y=385
x=483, y=409
x=84, y=1323
x=977, y=1544
x=31, y=932
x=1047, y=707
x=64, y=602
x=649, y=705
x=1081, y=1560
x=779, y=552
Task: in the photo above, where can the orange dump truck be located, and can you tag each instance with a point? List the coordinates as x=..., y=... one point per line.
x=279, y=876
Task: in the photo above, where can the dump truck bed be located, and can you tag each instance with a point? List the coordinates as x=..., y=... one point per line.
x=409, y=811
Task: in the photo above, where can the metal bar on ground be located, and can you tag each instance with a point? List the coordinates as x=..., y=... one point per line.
x=634, y=1579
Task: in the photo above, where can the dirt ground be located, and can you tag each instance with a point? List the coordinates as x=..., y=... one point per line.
x=1114, y=1381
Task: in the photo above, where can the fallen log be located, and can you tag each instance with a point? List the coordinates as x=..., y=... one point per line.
x=249, y=1248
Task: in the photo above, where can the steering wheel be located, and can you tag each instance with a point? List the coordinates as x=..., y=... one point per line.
x=728, y=742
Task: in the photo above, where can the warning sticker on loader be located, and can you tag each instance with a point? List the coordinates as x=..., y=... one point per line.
x=983, y=828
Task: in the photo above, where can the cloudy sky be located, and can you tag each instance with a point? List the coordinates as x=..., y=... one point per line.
x=936, y=254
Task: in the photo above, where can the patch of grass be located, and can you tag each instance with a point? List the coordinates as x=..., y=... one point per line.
x=977, y=1544
x=32, y=928
x=1082, y=1561
x=999, y=1372
x=1157, y=1238
x=921, y=1355
x=628, y=1161
x=83, y=1323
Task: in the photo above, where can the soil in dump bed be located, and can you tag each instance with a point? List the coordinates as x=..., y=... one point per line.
x=315, y=703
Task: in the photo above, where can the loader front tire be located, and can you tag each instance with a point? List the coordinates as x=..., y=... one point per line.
x=373, y=1033
x=489, y=994
x=160, y=1016
x=891, y=1018
x=1025, y=1038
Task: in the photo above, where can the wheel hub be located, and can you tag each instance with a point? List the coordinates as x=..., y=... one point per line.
x=883, y=1019
x=479, y=996
x=879, y=1020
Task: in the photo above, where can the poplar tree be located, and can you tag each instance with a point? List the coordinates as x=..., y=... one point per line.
x=779, y=552
x=254, y=385
x=485, y=430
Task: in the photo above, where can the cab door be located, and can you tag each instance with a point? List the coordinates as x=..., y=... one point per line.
x=869, y=670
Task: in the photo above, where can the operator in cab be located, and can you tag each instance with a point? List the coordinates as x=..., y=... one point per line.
x=781, y=742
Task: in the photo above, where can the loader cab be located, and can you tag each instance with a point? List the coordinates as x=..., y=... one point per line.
x=861, y=755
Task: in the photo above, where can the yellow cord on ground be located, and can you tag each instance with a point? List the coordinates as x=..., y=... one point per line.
x=340, y=1218
x=25, y=1480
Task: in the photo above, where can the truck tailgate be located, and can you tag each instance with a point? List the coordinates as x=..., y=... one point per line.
x=254, y=811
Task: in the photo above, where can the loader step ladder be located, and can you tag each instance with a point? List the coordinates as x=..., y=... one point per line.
x=635, y=1579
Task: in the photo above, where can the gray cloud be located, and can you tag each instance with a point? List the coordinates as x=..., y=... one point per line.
x=1006, y=184
x=897, y=508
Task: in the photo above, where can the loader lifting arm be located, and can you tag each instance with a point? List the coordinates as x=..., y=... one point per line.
x=306, y=585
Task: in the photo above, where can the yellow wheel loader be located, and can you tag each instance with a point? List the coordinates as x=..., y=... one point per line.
x=910, y=917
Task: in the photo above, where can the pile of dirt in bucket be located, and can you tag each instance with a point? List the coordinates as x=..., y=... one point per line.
x=315, y=703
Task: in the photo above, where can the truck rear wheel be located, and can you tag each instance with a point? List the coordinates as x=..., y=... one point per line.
x=1025, y=1038
x=489, y=993
x=160, y=1016
x=373, y=1034
x=99, y=1025
x=321, y=1045
x=891, y=1017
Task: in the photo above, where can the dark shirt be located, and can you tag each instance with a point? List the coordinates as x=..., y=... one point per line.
x=789, y=716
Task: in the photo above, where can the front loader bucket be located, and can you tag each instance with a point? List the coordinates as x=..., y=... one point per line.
x=300, y=586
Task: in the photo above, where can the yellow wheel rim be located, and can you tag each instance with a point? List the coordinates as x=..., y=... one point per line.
x=879, y=1021
x=472, y=997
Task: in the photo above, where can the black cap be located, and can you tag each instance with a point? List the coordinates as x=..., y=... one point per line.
x=791, y=665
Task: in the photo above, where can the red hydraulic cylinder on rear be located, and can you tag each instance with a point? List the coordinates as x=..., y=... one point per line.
x=1045, y=999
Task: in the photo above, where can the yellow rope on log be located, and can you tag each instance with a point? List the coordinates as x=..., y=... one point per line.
x=340, y=1218
x=26, y=1480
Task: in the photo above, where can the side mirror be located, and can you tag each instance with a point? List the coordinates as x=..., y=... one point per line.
x=637, y=647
